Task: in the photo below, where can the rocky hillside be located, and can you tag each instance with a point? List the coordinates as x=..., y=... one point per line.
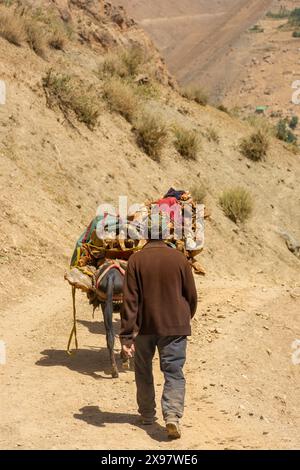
x=82, y=83
x=200, y=39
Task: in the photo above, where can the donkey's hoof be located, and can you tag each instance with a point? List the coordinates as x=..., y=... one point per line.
x=115, y=374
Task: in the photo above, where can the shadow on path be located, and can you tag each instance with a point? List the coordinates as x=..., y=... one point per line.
x=85, y=361
x=94, y=416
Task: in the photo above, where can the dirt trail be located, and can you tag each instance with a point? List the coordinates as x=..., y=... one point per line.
x=171, y=19
x=206, y=53
x=50, y=400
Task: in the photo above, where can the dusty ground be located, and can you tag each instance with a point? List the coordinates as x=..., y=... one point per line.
x=242, y=388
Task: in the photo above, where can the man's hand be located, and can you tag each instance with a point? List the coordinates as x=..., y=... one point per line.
x=128, y=350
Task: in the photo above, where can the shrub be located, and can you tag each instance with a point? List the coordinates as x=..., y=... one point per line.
x=70, y=94
x=196, y=93
x=50, y=21
x=293, y=148
x=223, y=108
x=12, y=28
x=212, y=135
x=151, y=133
x=122, y=63
x=283, y=132
x=133, y=58
x=198, y=193
x=294, y=17
x=121, y=98
x=57, y=40
x=112, y=65
x=281, y=14
x=147, y=91
x=256, y=29
x=29, y=28
x=186, y=142
x=35, y=37
x=236, y=204
x=261, y=123
x=256, y=146
x=294, y=122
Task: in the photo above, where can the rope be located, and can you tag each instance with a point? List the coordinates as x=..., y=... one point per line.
x=74, y=329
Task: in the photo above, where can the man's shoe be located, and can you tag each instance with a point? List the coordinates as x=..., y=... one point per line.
x=147, y=421
x=173, y=430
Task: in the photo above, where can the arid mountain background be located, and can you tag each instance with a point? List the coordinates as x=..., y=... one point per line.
x=197, y=37
x=83, y=82
x=211, y=43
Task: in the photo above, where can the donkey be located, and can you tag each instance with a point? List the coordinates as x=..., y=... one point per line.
x=109, y=288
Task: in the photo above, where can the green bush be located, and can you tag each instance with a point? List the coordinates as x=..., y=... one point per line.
x=281, y=14
x=186, y=142
x=294, y=17
x=256, y=146
x=296, y=34
x=237, y=204
x=151, y=134
x=284, y=133
x=69, y=94
x=294, y=122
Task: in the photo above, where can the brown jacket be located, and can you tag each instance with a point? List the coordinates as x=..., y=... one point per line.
x=160, y=295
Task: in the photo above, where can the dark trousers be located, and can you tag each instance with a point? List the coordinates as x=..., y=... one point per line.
x=172, y=355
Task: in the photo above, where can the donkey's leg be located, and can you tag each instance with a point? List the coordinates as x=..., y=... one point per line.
x=107, y=310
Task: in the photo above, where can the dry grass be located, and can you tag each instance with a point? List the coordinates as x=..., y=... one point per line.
x=261, y=123
x=151, y=134
x=32, y=27
x=69, y=94
x=133, y=59
x=198, y=193
x=12, y=28
x=223, y=108
x=212, y=135
x=112, y=66
x=35, y=37
x=57, y=40
x=237, y=204
x=186, y=142
x=147, y=91
x=256, y=146
x=121, y=98
x=122, y=63
x=196, y=93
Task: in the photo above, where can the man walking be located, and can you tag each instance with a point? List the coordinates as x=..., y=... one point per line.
x=159, y=301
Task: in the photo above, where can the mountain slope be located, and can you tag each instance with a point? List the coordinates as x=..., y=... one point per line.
x=48, y=168
x=54, y=172
x=196, y=38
